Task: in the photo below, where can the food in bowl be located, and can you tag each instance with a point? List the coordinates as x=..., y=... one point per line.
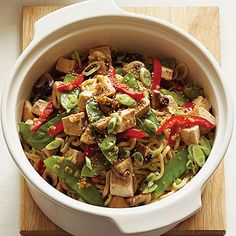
x=117, y=129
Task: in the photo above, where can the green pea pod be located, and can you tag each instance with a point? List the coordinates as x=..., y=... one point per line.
x=169, y=63
x=119, y=70
x=69, y=78
x=108, y=147
x=179, y=98
x=69, y=99
x=106, y=143
x=99, y=165
x=70, y=174
x=192, y=91
x=131, y=81
x=25, y=131
x=175, y=167
x=151, y=117
x=93, y=110
x=41, y=138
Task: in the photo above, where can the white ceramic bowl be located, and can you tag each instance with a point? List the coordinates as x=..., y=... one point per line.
x=89, y=24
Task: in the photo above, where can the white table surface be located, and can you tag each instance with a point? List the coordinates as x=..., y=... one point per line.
x=10, y=27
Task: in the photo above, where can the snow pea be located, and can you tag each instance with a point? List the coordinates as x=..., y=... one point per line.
x=25, y=131
x=192, y=91
x=99, y=164
x=179, y=98
x=69, y=98
x=70, y=174
x=41, y=138
x=151, y=117
x=106, y=142
x=93, y=110
x=175, y=167
x=130, y=80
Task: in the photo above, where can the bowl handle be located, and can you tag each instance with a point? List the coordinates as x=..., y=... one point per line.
x=167, y=216
x=73, y=13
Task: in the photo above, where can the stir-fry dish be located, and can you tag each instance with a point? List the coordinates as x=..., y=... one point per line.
x=117, y=129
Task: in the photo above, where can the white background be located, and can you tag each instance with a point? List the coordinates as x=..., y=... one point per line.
x=10, y=41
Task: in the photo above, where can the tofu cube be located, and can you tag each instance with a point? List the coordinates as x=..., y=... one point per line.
x=83, y=98
x=103, y=55
x=200, y=111
x=104, y=86
x=87, y=136
x=74, y=124
x=166, y=73
x=127, y=120
x=202, y=102
x=39, y=106
x=65, y=65
x=27, y=111
x=122, y=187
x=191, y=135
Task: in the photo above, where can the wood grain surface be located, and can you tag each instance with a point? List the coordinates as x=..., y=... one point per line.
x=203, y=24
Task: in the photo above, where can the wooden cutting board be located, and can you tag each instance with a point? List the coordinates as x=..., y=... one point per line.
x=202, y=23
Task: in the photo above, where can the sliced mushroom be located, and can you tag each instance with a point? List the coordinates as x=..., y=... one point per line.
x=27, y=111
x=143, y=107
x=50, y=177
x=134, y=67
x=118, y=202
x=44, y=84
x=158, y=100
x=141, y=199
x=108, y=105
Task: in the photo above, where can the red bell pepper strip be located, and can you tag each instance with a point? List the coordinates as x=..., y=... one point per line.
x=56, y=129
x=157, y=69
x=91, y=150
x=40, y=167
x=95, y=179
x=185, y=121
x=189, y=105
x=132, y=133
x=68, y=86
x=43, y=117
x=123, y=88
